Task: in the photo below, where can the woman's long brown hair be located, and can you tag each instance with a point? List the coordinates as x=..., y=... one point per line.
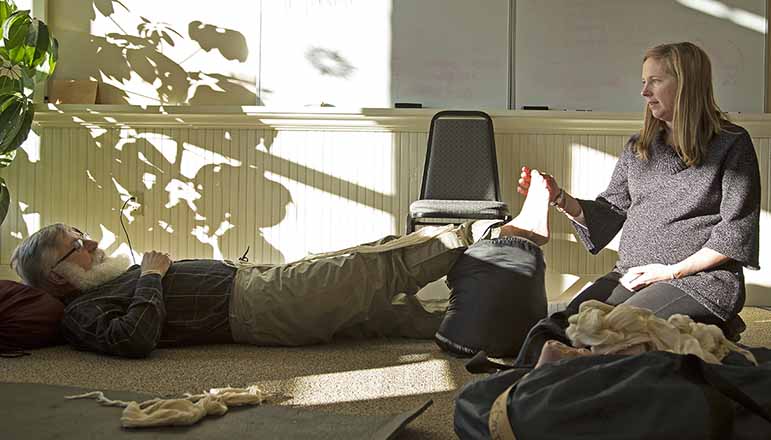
x=697, y=117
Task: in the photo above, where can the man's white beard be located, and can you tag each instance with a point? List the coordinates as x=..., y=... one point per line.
x=104, y=269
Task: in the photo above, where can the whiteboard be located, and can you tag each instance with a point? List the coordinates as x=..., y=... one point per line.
x=587, y=54
x=451, y=53
x=374, y=53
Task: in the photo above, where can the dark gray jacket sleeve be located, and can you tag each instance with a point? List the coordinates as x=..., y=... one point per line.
x=606, y=214
x=738, y=234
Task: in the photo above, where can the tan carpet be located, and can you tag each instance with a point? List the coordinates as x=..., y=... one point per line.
x=363, y=377
x=758, y=333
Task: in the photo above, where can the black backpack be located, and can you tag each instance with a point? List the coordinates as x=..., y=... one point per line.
x=654, y=395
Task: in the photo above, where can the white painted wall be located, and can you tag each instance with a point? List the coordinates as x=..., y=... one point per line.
x=291, y=184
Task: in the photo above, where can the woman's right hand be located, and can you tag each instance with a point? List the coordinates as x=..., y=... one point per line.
x=523, y=185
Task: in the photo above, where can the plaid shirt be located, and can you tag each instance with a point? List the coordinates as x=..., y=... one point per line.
x=131, y=315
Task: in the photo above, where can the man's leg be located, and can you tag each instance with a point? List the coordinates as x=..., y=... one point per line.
x=309, y=301
x=497, y=287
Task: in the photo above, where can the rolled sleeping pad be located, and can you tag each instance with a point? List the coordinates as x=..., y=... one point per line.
x=497, y=294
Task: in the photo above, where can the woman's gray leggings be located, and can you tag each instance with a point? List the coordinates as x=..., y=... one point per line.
x=663, y=299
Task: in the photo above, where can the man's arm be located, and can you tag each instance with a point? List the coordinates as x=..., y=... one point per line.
x=109, y=327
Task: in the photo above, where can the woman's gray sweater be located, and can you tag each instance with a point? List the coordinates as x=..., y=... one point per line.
x=669, y=211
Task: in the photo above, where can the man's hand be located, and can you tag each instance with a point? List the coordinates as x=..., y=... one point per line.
x=155, y=262
x=643, y=276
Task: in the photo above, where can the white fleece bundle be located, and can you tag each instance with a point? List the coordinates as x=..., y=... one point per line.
x=179, y=412
x=608, y=329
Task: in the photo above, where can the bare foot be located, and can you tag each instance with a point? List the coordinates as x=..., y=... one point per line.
x=533, y=220
x=554, y=351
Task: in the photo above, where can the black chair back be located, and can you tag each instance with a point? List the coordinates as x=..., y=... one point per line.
x=461, y=163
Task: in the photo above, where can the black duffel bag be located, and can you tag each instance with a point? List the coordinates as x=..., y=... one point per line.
x=654, y=395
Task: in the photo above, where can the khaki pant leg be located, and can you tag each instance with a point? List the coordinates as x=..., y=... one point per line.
x=308, y=302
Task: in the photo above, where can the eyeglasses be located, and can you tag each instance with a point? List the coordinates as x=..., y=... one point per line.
x=76, y=245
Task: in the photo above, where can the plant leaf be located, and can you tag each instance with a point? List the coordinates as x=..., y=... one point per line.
x=53, y=55
x=13, y=21
x=22, y=133
x=30, y=42
x=10, y=85
x=7, y=158
x=28, y=80
x=41, y=45
x=6, y=9
x=15, y=31
x=7, y=108
x=7, y=99
x=5, y=200
x=11, y=120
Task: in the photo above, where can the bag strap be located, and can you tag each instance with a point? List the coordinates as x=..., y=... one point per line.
x=498, y=422
x=713, y=377
x=480, y=363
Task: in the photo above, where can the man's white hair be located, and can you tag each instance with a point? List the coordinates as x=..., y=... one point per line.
x=34, y=256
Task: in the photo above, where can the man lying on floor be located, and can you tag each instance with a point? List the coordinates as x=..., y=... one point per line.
x=129, y=311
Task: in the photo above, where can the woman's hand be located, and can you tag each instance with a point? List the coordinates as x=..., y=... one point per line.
x=523, y=185
x=643, y=276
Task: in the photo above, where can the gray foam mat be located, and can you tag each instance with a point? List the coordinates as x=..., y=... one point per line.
x=35, y=411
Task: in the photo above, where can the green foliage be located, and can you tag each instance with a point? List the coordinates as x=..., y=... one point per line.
x=28, y=45
x=7, y=158
x=6, y=9
x=28, y=55
x=5, y=199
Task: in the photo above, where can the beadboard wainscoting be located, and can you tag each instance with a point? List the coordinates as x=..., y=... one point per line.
x=212, y=182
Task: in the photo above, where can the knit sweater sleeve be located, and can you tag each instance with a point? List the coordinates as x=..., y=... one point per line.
x=737, y=235
x=605, y=215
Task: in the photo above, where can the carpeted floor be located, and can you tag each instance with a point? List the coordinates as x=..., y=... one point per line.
x=363, y=377
x=758, y=333
x=371, y=377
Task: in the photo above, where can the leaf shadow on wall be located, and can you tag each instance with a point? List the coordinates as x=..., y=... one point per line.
x=230, y=43
x=106, y=7
x=122, y=56
x=201, y=198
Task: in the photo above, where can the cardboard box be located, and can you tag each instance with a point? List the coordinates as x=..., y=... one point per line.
x=72, y=91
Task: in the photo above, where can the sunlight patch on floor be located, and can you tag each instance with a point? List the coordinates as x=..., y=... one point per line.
x=425, y=377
